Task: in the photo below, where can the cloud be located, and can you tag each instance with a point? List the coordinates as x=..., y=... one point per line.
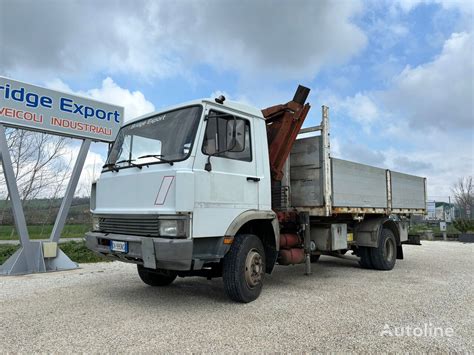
x=415, y=166
x=361, y=108
x=438, y=94
x=134, y=102
x=424, y=120
x=360, y=153
x=163, y=38
x=464, y=6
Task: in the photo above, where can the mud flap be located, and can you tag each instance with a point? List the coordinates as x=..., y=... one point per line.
x=399, y=252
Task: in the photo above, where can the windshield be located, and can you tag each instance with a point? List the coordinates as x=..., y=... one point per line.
x=163, y=138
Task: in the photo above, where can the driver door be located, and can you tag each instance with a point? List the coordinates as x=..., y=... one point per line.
x=231, y=186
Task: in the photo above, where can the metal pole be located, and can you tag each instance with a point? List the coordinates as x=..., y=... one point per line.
x=18, y=215
x=17, y=208
x=307, y=242
x=71, y=188
x=451, y=211
x=327, y=186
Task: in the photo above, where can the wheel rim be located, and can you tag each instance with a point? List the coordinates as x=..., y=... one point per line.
x=389, y=249
x=253, y=268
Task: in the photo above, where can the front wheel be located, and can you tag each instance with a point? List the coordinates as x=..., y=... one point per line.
x=244, y=268
x=156, y=277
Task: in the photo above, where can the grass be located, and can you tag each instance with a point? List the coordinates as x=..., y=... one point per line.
x=77, y=251
x=6, y=251
x=43, y=232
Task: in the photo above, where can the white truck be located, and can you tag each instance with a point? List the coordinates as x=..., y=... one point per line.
x=220, y=189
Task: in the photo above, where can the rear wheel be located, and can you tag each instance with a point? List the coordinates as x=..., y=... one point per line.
x=244, y=268
x=156, y=277
x=385, y=255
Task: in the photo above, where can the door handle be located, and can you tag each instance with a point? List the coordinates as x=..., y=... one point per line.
x=250, y=178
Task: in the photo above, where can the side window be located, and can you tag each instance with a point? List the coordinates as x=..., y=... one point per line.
x=227, y=136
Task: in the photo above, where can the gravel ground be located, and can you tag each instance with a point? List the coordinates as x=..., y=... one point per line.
x=340, y=307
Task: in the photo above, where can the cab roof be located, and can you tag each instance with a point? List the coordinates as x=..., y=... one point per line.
x=238, y=107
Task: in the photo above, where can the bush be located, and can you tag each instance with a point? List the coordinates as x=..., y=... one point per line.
x=6, y=251
x=78, y=252
x=464, y=225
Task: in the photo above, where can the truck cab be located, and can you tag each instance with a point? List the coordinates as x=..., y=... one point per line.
x=179, y=184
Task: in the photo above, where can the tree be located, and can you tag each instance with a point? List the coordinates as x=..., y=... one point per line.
x=463, y=191
x=38, y=164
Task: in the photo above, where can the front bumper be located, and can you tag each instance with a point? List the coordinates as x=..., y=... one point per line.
x=153, y=253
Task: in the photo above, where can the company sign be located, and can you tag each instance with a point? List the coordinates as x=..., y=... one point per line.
x=32, y=107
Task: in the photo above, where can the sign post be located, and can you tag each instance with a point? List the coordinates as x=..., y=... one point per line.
x=442, y=228
x=26, y=106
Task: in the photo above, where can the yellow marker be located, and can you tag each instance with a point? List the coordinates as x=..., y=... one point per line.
x=350, y=237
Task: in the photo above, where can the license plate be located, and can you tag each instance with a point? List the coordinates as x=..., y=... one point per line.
x=116, y=245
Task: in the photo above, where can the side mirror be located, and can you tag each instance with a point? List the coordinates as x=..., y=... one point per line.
x=224, y=133
x=235, y=135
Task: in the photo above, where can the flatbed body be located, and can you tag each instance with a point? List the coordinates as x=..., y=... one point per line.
x=349, y=187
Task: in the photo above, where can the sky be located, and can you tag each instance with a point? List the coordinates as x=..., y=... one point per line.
x=397, y=75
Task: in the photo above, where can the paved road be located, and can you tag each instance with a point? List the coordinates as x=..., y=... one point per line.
x=62, y=240
x=106, y=308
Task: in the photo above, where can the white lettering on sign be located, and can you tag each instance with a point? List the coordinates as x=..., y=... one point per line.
x=32, y=107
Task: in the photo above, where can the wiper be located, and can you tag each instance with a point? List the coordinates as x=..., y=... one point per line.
x=157, y=156
x=130, y=162
x=112, y=166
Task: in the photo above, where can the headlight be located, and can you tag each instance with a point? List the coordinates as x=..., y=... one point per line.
x=95, y=223
x=172, y=228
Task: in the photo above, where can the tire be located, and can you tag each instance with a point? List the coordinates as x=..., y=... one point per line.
x=156, y=277
x=365, y=258
x=244, y=268
x=314, y=258
x=385, y=255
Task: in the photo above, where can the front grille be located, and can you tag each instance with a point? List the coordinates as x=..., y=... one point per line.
x=146, y=226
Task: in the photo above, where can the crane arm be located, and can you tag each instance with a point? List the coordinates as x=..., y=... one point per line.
x=283, y=124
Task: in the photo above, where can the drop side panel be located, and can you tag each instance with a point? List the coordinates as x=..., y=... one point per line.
x=358, y=185
x=408, y=191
